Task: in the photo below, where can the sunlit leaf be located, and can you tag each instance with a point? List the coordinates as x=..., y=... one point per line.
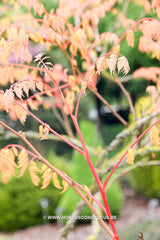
x=88, y=190
x=123, y=65
x=23, y=160
x=65, y=186
x=56, y=181
x=112, y=61
x=33, y=170
x=47, y=175
x=43, y=131
x=155, y=136
x=130, y=156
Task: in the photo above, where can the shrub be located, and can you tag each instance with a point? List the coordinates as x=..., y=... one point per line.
x=147, y=182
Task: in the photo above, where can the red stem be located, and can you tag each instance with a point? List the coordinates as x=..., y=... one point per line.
x=86, y=154
x=103, y=193
x=89, y=161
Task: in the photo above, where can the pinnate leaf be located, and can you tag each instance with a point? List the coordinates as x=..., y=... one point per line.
x=112, y=61
x=123, y=65
x=101, y=64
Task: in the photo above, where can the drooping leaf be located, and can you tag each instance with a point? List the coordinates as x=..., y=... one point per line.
x=32, y=85
x=47, y=176
x=155, y=136
x=43, y=131
x=33, y=170
x=7, y=164
x=130, y=156
x=38, y=98
x=123, y=65
x=39, y=85
x=26, y=88
x=18, y=91
x=101, y=64
x=130, y=38
x=112, y=61
x=33, y=104
x=116, y=48
x=65, y=186
x=44, y=168
x=23, y=160
x=8, y=99
x=15, y=151
x=70, y=97
x=56, y=181
x=88, y=190
x=84, y=87
x=20, y=112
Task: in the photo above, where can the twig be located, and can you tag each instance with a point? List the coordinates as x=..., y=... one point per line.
x=104, y=101
x=67, y=124
x=127, y=96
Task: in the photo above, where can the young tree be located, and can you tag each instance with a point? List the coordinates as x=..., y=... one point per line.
x=73, y=27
